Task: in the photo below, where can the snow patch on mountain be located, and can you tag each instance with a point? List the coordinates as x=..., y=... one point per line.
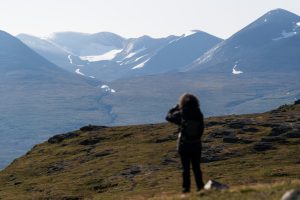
x=189, y=33
x=129, y=48
x=186, y=34
x=235, y=71
x=209, y=54
x=134, y=53
x=141, y=64
x=77, y=71
x=285, y=35
x=106, y=56
x=127, y=62
x=137, y=59
x=70, y=59
x=298, y=23
x=106, y=88
x=175, y=40
x=130, y=55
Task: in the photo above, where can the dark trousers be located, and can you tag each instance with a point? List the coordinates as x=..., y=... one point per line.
x=193, y=158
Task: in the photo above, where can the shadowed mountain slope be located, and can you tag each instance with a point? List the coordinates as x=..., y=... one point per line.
x=39, y=99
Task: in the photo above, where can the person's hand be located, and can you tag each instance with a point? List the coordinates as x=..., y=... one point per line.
x=175, y=108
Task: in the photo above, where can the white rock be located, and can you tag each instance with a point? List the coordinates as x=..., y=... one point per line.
x=291, y=195
x=214, y=185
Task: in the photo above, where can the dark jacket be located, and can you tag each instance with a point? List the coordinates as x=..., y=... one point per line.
x=178, y=117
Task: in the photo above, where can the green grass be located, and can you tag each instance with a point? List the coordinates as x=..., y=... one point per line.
x=69, y=170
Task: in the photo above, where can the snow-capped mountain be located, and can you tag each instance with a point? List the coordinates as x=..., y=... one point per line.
x=105, y=56
x=72, y=50
x=139, y=50
x=39, y=99
x=271, y=43
x=92, y=56
x=180, y=52
x=128, y=62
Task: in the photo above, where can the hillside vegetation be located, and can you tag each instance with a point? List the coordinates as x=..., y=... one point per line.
x=257, y=155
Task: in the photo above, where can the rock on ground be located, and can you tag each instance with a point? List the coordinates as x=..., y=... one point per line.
x=214, y=185
x=291, y=195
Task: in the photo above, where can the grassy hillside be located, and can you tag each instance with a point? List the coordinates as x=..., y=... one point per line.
x=256, y=155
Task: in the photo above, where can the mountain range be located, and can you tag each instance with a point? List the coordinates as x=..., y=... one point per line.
x=107, y=56
x=63, y=81
x=256, y=69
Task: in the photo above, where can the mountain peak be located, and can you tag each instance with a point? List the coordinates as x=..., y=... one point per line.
x=280, y=11
x=279, y=14
x=280, y=18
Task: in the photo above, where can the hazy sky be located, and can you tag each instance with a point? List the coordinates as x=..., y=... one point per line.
x=133, y=18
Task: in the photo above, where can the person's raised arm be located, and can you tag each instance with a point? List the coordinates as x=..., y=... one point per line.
x=174, y=115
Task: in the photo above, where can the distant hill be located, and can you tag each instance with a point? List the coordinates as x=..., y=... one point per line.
x=256, y=155
x=39, y=99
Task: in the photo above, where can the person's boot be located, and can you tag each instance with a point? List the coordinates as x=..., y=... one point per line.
x=200, y=188
x=185, y=190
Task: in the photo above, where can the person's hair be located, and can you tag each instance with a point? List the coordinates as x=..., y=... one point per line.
x=188, y=101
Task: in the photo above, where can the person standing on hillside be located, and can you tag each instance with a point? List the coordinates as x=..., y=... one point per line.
x=188, y=116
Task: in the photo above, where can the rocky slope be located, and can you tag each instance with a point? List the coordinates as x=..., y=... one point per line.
x=136, y=162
